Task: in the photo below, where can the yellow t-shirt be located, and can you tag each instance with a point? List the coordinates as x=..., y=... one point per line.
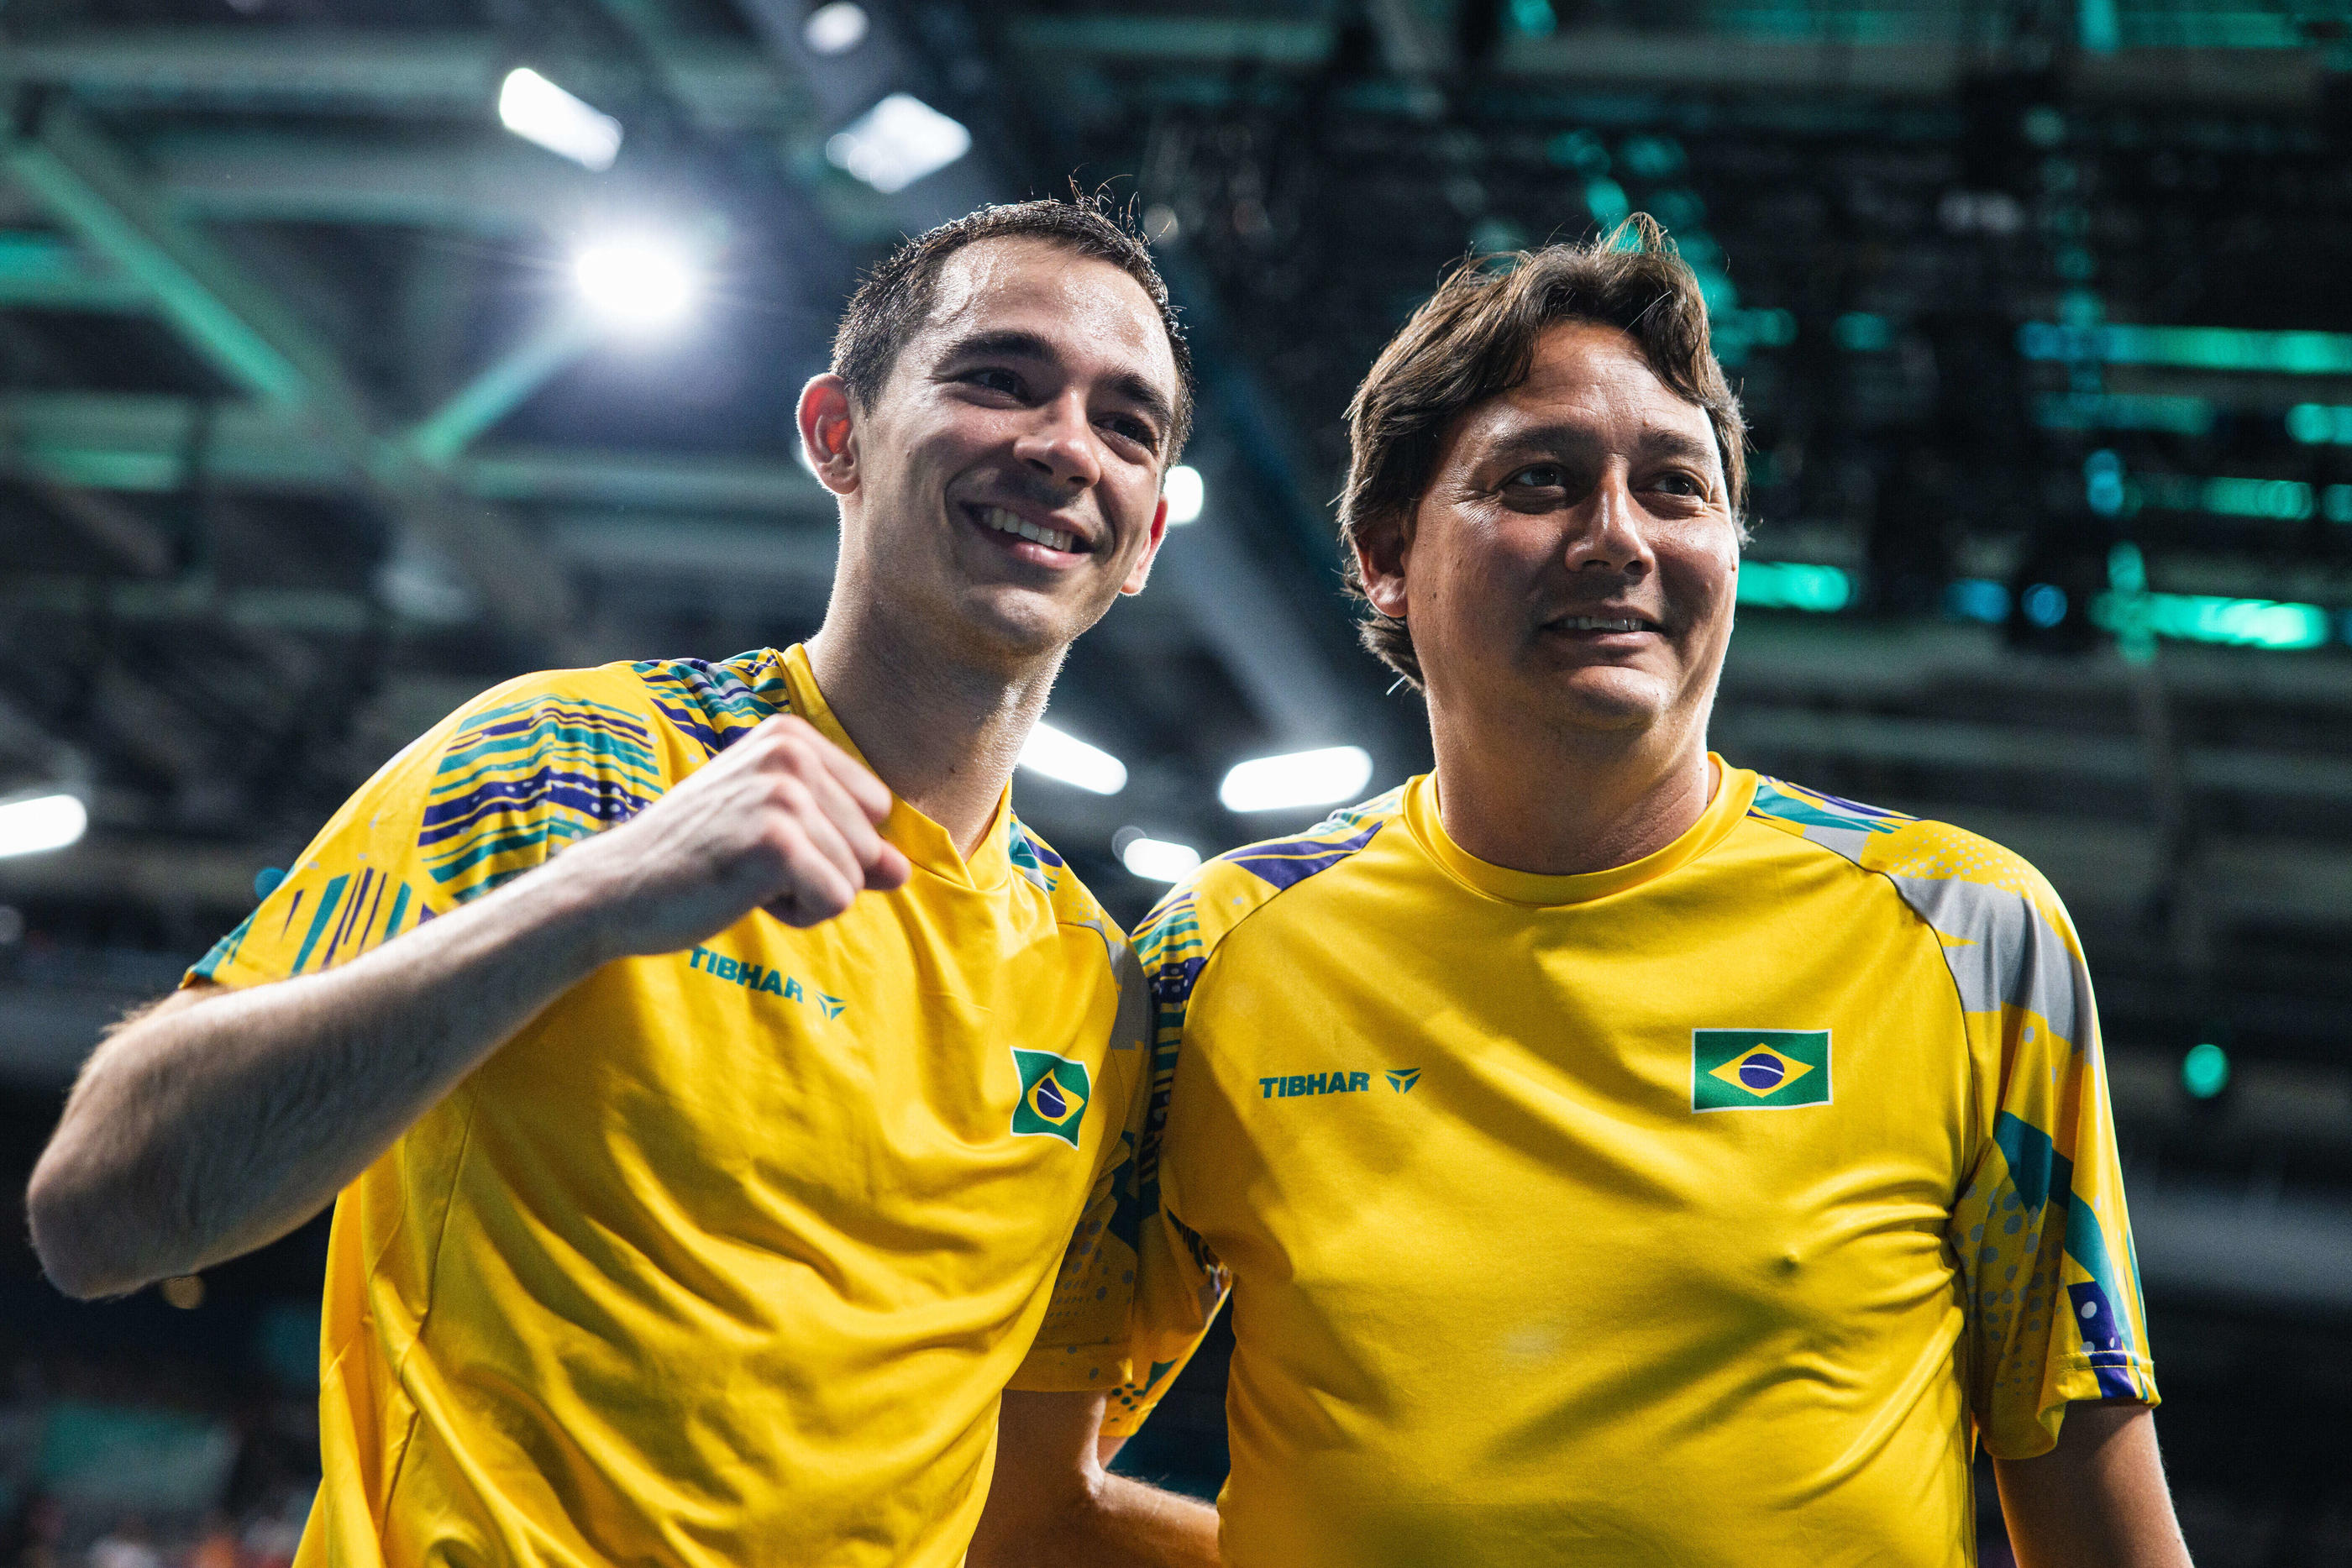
x=1699, y=1211
x=726, y=1258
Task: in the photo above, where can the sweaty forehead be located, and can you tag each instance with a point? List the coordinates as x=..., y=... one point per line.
x=1080, y=303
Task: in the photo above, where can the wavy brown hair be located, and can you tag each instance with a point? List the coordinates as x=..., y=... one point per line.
x=1476, y=338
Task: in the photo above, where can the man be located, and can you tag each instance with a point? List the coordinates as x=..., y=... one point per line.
x=702, y=1186
x=1614, y=1156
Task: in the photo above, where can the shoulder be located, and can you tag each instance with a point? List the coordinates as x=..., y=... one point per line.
x=1040, y=865
x=714, y=701
x=1917, y=852
x=2004, y=931
x=1199, y=911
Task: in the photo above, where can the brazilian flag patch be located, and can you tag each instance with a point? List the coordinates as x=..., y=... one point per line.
x=1054, y=1094
x=1744, y=1069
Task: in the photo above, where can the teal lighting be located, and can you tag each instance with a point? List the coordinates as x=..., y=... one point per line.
x=1605, y=199
x=1860, y=332
x=2205, y=1070
x=2103, y=483
x=2320, y=424
x=2335, y=503
x=2191, y=347
x=1653, y=157
x=1794, y=585
x=2280, y=500
x=2125, y=410
x=1977, y=599
x=1534, y=17
x=2268, y=500
x=2099, y=28
x=2210, y=617
x=2045, y=604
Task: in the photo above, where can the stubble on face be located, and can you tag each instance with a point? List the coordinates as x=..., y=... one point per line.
x=1572, y=562
x=1040, y=389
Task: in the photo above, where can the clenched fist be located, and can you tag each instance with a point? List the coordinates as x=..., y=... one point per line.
x=784, y=821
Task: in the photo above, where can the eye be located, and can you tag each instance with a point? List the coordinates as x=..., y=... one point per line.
x=1679, y=483
x=1537, y=476
x=996, y=378
x=1133, y=429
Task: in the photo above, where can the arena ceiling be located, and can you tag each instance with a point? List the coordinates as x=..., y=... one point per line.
x=303, y=439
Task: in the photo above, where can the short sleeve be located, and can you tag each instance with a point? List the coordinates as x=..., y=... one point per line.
x=1082, y=1344
x=1181, y=1283
x=493, y=790
x=2042, y=1240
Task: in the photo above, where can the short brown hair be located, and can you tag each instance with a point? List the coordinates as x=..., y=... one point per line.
x=1475, y=338
x=898, y=296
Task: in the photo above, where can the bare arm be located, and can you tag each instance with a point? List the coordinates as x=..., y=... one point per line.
x=1052, y=1503
x=221, y=1120
x=2097, y=1499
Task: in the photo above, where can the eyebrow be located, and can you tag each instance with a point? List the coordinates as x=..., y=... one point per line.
x=1654, y=442
x=1012, y=343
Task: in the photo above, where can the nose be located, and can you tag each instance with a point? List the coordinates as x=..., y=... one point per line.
x=1061, y=445
x=1606, y=532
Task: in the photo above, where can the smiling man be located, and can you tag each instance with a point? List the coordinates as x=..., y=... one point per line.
x=702, y=1186
x=1614, y=1156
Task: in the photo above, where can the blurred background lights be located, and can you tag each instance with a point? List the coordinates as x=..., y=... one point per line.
x=638, y=281
x=1794, y=585
x=1154, y=860
x=896, y=143
x=1321, y=778
x=42, y=822
x=1186, y=493
x=1065, y=758
x=2045, y=604
x=834, y=29
x=2205, y=1070
x=536, y=109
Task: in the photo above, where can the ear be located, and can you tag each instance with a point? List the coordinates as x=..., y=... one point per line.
x=828, y=428
x=1383, y=552
x=1140, y=572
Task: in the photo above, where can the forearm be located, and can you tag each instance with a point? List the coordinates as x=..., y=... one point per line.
x=202, y=1132
x=2098, y=1499
x=1114, y=1524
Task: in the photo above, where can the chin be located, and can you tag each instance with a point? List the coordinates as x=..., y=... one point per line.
x=1020, y=624
x=1608, y=699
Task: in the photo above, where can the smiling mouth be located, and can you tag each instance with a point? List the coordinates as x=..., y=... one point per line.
x=1004, y=522
x=1603, y=623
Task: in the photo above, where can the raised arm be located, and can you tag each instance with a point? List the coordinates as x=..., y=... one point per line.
x=1052, y=1503
x=221, y=1120
x=2095, y=1501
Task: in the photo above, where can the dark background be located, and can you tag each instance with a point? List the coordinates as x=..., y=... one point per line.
x=247, y=250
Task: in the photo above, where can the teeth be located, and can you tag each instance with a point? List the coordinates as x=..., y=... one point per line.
x=1005, y=522
x=1601, y=623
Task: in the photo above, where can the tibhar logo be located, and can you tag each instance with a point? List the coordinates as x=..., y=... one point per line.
x=1402, y=1079
x=762, y=981
x=1313, y=1083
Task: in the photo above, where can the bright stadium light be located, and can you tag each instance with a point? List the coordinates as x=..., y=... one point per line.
x=1296, y=778
x=42, y=822
x=1157, y=860
x=1185, y=492
x=1063, y=756
x=834, y=29
x=639, y=282
x=896, y=143
x=536, y=109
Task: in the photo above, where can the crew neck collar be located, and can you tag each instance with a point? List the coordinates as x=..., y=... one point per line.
x=921, y=840
x=1735, y=787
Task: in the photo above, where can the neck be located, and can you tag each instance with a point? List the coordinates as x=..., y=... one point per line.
x=940, y=729
x=1562, y=803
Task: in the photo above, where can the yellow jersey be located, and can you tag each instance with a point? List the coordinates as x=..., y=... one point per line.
x=726, y=1258
x=1703, y=1210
